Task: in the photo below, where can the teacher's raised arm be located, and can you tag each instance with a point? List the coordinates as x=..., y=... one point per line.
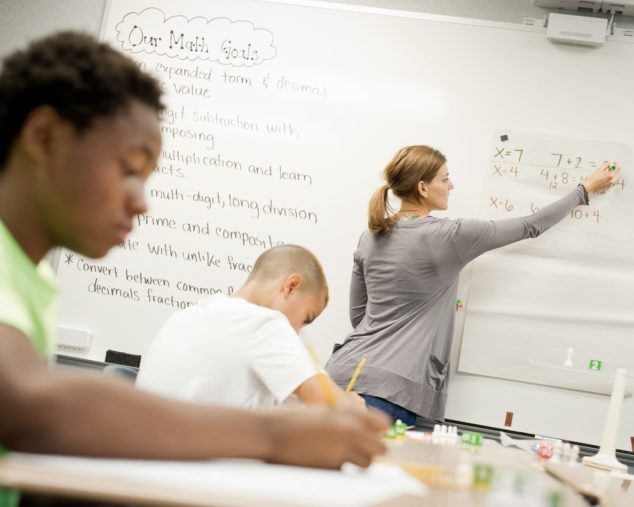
x=405, y=278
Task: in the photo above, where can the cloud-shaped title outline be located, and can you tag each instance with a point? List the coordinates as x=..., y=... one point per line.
x=121, y=37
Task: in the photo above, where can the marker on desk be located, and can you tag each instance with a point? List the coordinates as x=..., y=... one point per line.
x=355, y=374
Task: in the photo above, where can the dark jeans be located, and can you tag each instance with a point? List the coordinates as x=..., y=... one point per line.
x=394, y=411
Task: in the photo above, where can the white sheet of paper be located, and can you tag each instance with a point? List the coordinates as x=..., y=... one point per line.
x=251, y=480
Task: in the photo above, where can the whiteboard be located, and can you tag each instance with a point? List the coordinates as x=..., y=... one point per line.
x=280, y=135
x=512, y=324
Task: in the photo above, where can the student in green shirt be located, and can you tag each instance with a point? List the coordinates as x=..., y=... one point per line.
x=79, y=135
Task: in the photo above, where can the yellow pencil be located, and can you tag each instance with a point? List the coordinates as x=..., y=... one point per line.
x=322, y=378
x=355, y=374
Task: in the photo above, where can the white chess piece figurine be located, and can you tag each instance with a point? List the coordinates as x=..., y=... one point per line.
x=435, y=436
x=568, y=361
x=606, y=458
x=451, y=435
x=443, y=434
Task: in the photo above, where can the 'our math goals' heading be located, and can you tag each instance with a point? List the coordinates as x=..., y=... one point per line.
x=236, y=43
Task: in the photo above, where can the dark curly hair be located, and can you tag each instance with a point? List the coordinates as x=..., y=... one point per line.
x=80, y=77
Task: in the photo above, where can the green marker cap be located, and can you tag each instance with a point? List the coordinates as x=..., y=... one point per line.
x=613, y=167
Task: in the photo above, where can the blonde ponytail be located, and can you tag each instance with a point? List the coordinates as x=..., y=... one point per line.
x=410, y=166
x=380, y=214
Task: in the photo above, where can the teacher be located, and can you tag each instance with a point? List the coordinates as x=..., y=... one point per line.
x=405, y=277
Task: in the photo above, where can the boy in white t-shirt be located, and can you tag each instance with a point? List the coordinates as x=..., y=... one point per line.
x=244, y=350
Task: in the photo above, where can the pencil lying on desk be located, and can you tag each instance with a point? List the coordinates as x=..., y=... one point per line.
x=355, y=374
x=322, y=378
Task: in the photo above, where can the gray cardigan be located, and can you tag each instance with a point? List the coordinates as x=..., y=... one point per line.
x=403, y=299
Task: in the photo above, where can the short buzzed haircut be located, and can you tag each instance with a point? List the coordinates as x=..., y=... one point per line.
x=285, y=260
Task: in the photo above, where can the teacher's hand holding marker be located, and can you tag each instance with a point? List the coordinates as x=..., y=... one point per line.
x=603, y=178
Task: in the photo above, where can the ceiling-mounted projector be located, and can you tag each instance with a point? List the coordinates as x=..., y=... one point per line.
x=583, y=30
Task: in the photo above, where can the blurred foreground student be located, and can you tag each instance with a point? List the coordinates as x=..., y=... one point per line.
x=244, y=350
x=79, y=135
